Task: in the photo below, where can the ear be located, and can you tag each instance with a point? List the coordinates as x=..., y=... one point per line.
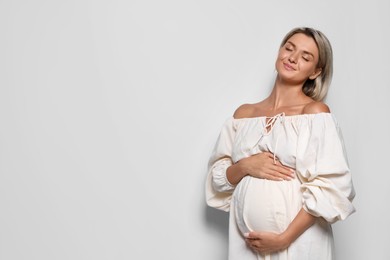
x=315, y=74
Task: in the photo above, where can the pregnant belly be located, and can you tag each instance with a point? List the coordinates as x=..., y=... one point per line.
x=263, y=205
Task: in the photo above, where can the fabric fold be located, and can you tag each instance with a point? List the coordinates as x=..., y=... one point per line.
x=323, y=169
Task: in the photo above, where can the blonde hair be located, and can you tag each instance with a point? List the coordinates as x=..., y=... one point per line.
x=317, y=88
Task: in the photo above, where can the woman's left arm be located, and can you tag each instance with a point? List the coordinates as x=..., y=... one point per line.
x=267, y=242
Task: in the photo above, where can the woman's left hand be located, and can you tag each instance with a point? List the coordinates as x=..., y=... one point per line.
x=266, y=242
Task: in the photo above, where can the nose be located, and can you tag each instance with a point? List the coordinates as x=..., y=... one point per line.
x=292, y=58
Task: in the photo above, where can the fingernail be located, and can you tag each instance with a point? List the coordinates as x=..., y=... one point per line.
x=246, y=234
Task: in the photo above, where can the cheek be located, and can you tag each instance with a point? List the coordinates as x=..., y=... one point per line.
x=278, y=63
x=309, y=68
x=282, y=55
x=280, y=59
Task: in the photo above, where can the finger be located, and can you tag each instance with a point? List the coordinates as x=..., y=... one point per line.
x=284, y=176
x=259, y=248
x=269, y=155
x=253, y=247
x=253, y=235
x=283, y=170
x=284, y=166
x=253, y=244
x=275, y=175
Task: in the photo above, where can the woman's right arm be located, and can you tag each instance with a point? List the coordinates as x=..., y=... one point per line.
x=261, y=166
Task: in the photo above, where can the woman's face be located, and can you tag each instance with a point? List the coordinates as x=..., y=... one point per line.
x=297, y=60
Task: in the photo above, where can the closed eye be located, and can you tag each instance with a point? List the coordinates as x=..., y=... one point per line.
x=307, y=57
x=289, y=47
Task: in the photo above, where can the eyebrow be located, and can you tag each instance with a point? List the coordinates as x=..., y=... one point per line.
x=305, y=52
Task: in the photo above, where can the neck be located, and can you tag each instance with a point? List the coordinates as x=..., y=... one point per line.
x=285, y=94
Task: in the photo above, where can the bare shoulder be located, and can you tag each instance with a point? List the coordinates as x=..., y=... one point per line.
x=243, y=111
x=316, y=107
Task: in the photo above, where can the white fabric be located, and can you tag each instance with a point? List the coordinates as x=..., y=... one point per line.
x=310, y=143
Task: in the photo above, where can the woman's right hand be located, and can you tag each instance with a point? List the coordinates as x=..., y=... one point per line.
x=263, y=166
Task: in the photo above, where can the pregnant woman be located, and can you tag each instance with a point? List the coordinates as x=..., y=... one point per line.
x=284, y=209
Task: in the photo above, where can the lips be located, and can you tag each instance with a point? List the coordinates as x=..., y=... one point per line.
x=288, y=67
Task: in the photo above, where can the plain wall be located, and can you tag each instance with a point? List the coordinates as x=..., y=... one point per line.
x=109, y=111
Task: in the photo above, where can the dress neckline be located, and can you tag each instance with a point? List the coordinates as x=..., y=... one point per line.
x=284, y=116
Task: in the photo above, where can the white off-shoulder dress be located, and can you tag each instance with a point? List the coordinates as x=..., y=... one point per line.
x=310, y=143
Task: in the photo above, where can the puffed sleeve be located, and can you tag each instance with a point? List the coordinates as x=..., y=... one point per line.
x=322, y=166
x=218, y=189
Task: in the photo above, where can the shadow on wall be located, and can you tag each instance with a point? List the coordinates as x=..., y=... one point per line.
x=217, y=221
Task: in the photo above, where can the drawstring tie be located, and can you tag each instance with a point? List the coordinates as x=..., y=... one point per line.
x=270, y=122
x=268, y=128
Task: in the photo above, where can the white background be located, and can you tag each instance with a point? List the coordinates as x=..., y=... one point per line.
x=109, y=111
